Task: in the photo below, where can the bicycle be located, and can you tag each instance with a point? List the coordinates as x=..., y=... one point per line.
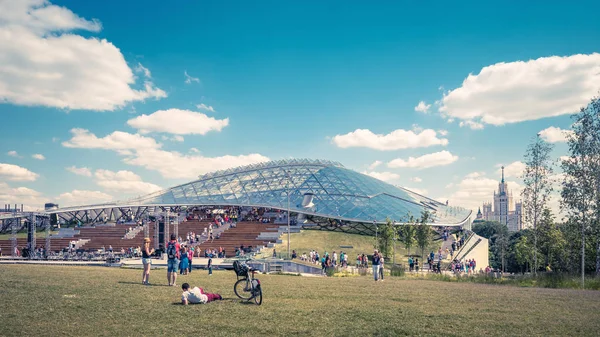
x=247, y=287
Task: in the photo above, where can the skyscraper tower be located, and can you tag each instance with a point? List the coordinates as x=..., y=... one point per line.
x=504, y=209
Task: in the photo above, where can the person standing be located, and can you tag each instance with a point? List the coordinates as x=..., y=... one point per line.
x=146, y=261
x=185, y=262
x=173, y=255
x=375, y=263
x=190, y=257
x=209, y=267
x=381, y=260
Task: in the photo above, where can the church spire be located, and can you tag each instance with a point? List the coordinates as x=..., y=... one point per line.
x=502, y=174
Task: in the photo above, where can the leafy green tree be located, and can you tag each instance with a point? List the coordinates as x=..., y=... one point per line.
x=497, y=234
x=408, y=233
x=581, y=186
x=538, y=186
x=524, y=251
x=552, y=241
x=385, y=239
x=423, y=233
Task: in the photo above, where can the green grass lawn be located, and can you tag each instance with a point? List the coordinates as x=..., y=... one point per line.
x=98, y=301
x=323, y=241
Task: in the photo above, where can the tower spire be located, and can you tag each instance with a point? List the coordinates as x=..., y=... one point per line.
x=502, y=174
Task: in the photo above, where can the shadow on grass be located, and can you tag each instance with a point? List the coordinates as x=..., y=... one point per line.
x=139, y=284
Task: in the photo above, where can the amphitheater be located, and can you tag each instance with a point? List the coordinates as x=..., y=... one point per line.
x=263, y=201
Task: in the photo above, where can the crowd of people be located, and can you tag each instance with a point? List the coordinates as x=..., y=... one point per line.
x=464, y=267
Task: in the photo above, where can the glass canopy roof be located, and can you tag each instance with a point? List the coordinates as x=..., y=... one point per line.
x=337, y=192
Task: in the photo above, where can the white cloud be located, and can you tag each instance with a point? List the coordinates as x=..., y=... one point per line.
x=375, y=164
x=416, y=179
x=16, y=173
x=125, y=182
x=475, y=175
x=385, y=176
x=471, y=193
x=395, y=140
x=38, y=156
x=564, y=158
x=189, y=79
x=13, y=154
x=471, y=124
x=423, y=107
x=519, y=91
x=514, y=169
x=81, y=171
x=117, y=140
x=203, y=106
x=55, y=139
x=443, y=133
x=555, y=135
x=42, y=62
x=145, y=152
x=82, y=197
x=176, y=138
x=180, y=122
x=141, y=69
x=31, y=199
x=194, y=150
x=441, y=158
x=172, y=164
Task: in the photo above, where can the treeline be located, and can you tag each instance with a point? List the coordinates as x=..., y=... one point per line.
x=572, y=245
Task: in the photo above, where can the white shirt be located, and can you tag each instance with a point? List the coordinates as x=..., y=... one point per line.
x=194, y=295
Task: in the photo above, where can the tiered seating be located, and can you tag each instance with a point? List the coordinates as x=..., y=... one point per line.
x=56, y=244
x=245, y=233
x=105, y=236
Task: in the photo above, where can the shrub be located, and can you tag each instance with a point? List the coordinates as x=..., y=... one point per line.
x=397, y=270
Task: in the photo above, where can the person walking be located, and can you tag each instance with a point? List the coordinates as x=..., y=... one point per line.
x=146, y=261
x=209, y=267
x=173, y=254
x=375, y=263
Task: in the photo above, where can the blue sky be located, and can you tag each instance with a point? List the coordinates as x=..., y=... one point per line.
x=273, y=80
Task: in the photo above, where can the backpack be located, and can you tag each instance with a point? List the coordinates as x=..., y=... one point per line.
x=171, y=251
x=240, y=269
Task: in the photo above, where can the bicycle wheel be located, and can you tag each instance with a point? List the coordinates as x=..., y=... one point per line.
x=258, y=295
x=242, y=289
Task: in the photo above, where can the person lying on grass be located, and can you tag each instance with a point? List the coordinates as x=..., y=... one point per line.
x=197, y=295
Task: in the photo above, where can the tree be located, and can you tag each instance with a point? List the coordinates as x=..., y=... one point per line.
x=497, y=234
x=538, y=186
x=523, y=251
x=385, y=240
x=552, y=241
x=581, y=186
x=408, y=232
x=423, y=232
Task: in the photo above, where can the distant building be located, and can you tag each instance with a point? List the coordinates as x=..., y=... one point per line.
x=504, y=209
